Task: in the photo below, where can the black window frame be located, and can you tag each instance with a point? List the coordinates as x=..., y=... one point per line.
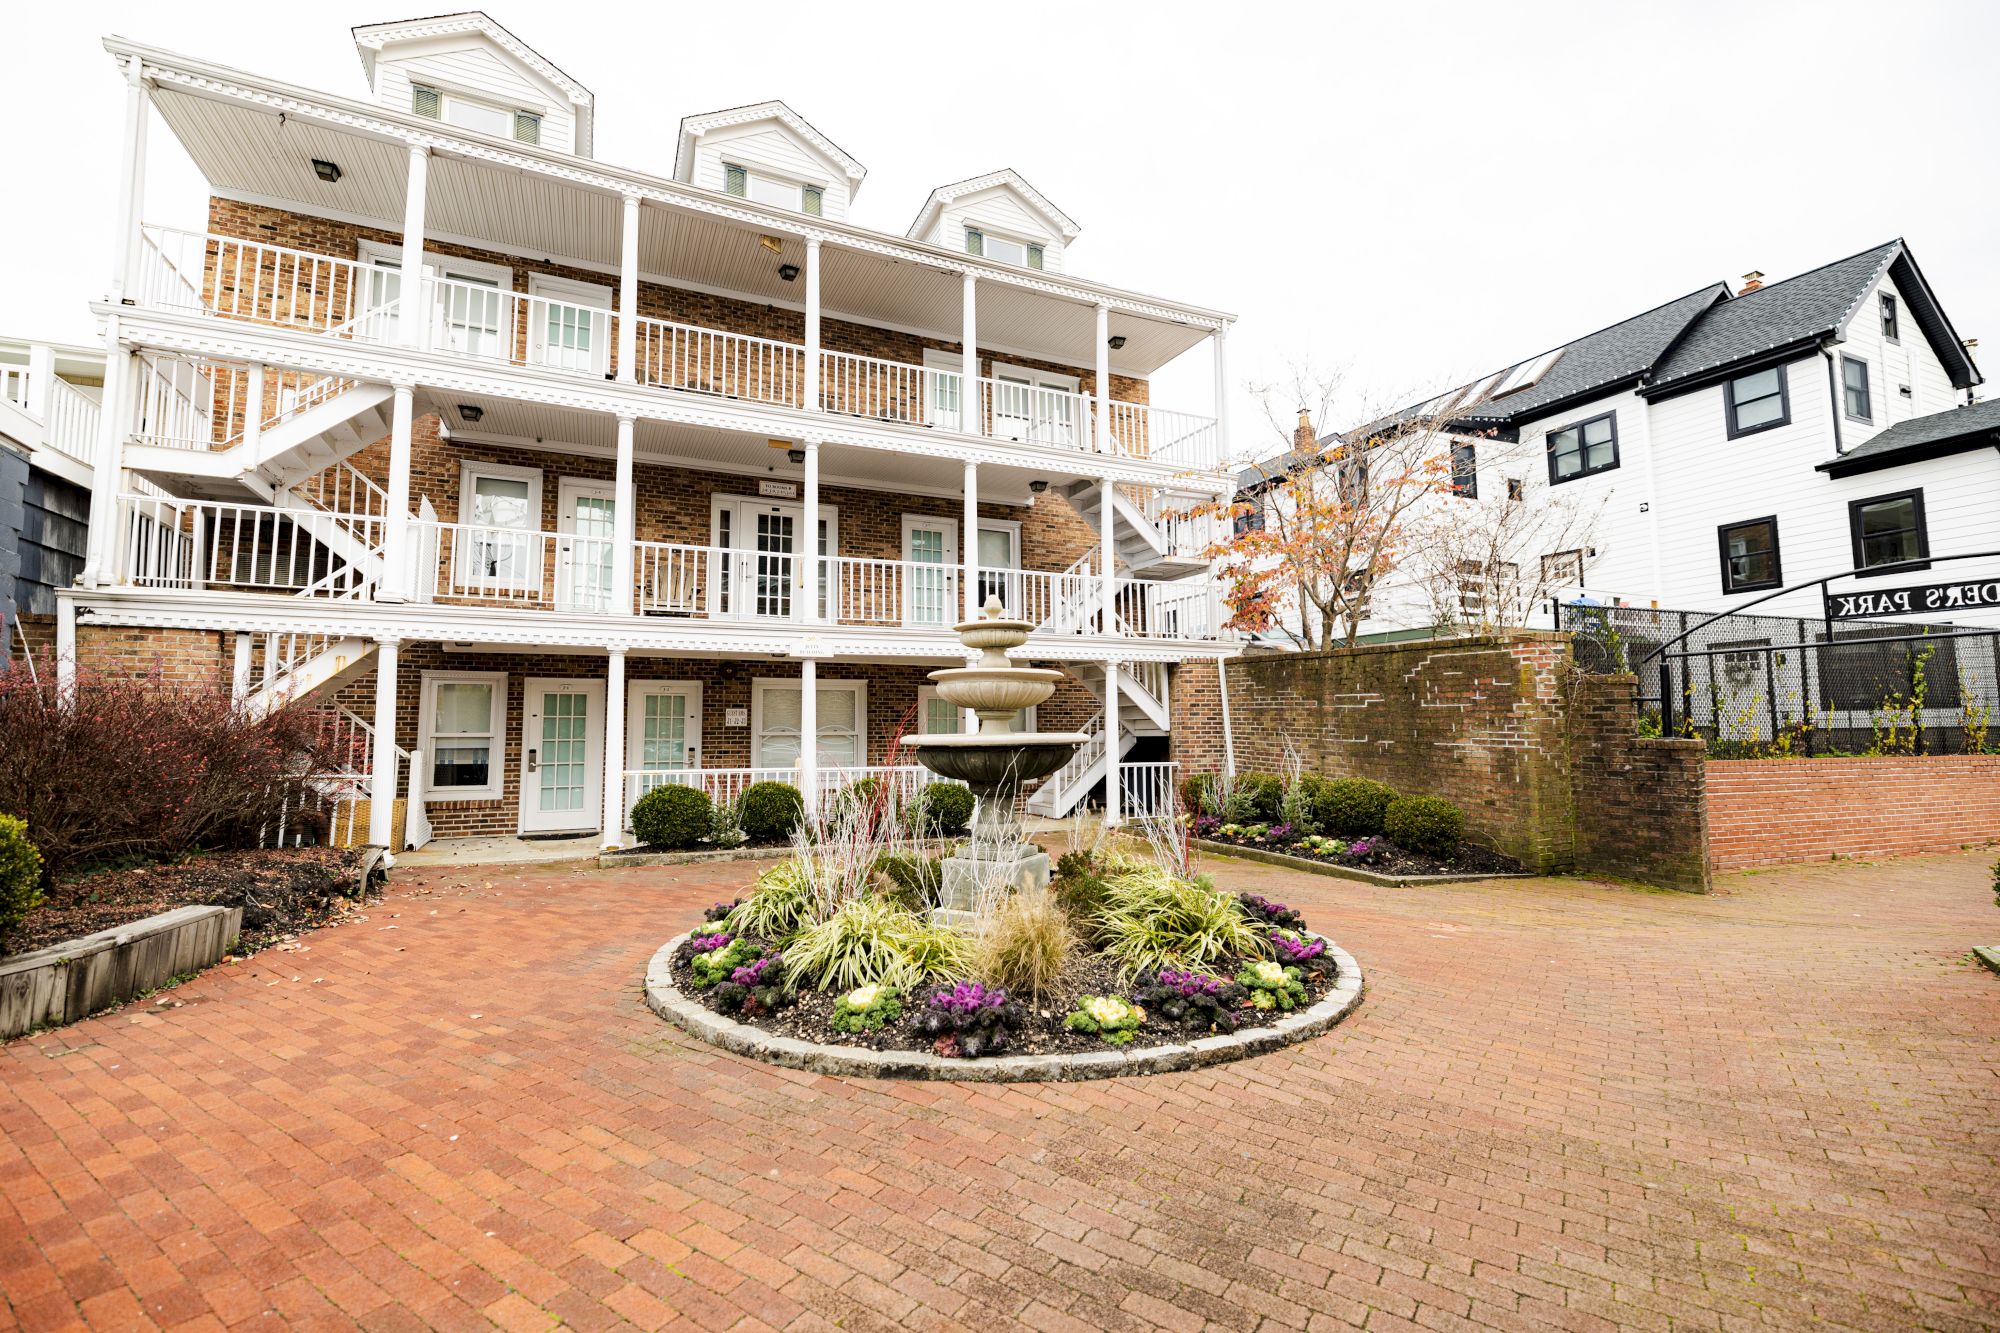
x=1729, y=403
x=1549, y=448
x=1923, y=558
x=1517, y=488
x=1867, y=391
x=1892, y=328
x=1465, y=478
x=1729, y=584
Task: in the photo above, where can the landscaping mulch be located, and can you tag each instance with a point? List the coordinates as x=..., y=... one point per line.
x=1389, y=859
x=282, y=891
x=809, y=1017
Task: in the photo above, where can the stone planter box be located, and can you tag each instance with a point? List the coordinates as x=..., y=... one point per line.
x=66, y=982
x=1350, y=872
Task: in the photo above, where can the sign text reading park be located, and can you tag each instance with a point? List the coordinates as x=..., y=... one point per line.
x=1923, y=599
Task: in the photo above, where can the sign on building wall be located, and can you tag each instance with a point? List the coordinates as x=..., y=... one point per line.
x=1920, y=599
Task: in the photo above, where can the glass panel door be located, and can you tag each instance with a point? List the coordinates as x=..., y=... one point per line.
x=998, y=576
x=665, y=742
x=771, y=570
x=1013, y=407
x=584, y=547
x=562, y=739
x=927, y=598
x=502, y=548
x=469, y=315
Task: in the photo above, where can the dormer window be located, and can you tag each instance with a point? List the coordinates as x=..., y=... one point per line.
x=464, y=112
x=1022, y=254
x=758, y=188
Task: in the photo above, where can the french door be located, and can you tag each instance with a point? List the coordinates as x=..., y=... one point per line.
x=562, y=755
x=662, y=735
x=585, y=513
x=1035, y=406
x=760, y=546
x=930, y=550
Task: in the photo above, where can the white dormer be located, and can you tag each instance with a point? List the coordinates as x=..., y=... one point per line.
x=770, y=154
x=468, y=71
x=998, y=216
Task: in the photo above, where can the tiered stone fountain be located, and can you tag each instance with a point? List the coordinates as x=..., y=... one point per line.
x=993, y=761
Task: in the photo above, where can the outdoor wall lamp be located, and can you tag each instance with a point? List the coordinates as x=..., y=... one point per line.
x=471, y=413
x=1116, y=341
x=796, y=455
x=1038, y=486
x=326, y=171
x=789, y=272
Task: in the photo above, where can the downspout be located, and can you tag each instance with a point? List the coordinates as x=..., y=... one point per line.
x=1833, y=398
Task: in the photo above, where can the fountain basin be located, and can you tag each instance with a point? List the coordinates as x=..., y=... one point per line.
x=996, y=693
x=986, y=762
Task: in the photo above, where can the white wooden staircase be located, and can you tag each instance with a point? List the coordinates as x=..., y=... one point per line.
x=322, y=425
x=1142, y=711
x=1154, y=537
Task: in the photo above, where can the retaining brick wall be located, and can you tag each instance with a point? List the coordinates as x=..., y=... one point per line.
x=1766, y=812
x=1639, y=804
x=1194, y=706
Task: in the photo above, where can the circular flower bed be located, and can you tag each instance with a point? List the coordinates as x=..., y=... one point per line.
x=1120, y=966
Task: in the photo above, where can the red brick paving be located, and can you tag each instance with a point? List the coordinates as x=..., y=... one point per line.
x=1562, y=1105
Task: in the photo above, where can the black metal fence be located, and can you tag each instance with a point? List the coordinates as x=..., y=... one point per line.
x=1767, y=685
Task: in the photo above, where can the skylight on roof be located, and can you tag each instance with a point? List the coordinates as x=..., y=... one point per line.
x=1526, y=375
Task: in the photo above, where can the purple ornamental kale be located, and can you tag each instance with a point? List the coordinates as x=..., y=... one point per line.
x=751, y=975
x=968, y=997
x=1190, y=983
x=1291, y=950
x=709, y=943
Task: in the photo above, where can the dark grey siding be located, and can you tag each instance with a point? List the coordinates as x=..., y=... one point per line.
x=44, y=521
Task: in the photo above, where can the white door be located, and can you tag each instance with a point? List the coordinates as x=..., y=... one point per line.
x=930, y=548
x=569, y=325
x=562, y=755
x=1034, y=405
x=584, y=523
x=1000, y=569
x=944, y=381
x=662, y=735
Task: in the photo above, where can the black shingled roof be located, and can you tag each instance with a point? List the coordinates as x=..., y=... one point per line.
x=1922, y=437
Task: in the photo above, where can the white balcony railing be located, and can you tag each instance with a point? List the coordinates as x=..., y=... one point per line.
x=250, y=280
x=1140, y=430
x=866, y=386
x=196, y=545
x=497, y=566
x=729, y=365
x=1146, y=790
x=72, y=424
x=491, y=323
x=17, y=387
x=1032, y=414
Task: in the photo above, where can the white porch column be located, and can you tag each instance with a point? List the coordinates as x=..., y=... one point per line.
x=809, y=733
x=1112, y=775
x=413, y=318
x=65, y=646
x=968, y=542
x=1105, y=443
x=812, y=403
x=131, y=185
x=114, y=419
x=395, y=585
x=382, y=763
x=624, y=524
x=972, y=399
x=41, y=380
x=239, y=670
x=1107, y=553
x=805, y=591
x=614, y=749
x=1219, y=342
x=628, y=294
x=253, y=417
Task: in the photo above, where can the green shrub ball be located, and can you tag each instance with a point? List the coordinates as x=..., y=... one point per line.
x=672, y=817
x=1427, y=824
x=945, y=809
x=20, y=874
x=770, y=811
x=1353, y=807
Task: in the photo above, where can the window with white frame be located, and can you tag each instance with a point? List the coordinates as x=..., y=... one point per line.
x=498, y=545
x=941, y=717
x=472, y=114
x=777, y=716
x=987, y=245
x=460, y=731
x=758, y=187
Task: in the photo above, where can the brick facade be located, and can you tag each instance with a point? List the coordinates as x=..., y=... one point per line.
x=189, y=657
x=1194, y=708
x=1500, y=727
x=1767, y=812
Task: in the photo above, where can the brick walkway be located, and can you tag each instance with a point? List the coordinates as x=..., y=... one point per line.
x=1561, y=1105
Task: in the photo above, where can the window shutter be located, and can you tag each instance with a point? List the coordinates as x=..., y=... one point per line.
x=975, y=241
x=1034, y=256
x=424, y=101
x=735, y=180
x=815, y=201
x=527, y=127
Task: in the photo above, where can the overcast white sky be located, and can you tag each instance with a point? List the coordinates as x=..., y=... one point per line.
x=1409, y=193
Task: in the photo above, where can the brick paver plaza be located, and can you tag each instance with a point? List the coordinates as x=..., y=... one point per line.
x=1562, y=1105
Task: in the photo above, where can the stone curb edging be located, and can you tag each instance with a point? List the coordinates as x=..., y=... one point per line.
x=665, y=999
x=1338, y=871
x=770, y=851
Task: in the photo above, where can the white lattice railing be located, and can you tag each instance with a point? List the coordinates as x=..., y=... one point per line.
x=865, y=386
x=1146, y=790
x=731, y=365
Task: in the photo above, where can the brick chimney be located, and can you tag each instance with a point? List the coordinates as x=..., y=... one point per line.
x=1305, y=439
x=1751, y=282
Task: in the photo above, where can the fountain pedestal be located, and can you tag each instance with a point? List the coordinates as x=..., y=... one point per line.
x=994, y=763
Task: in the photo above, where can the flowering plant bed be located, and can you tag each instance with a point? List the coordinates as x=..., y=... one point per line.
x=1376, y=854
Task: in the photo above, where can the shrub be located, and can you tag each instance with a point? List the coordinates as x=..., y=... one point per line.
x=20, y=874
x=1300, y=807
x=1353, y=806
x=909, y=880
x=1265, y=793
x=1150, y=920
x=1079, y=887
x=769, y=811
x=1193, y=1000
x=725, y=826
x=1427, y=824
x=970, y=1021
x=943, y=810
x=1025, y=943
x=863, y=796
x=870, y=940
x=674, y=817
x=867, y=1008
x=1105, y=1016
x=1198, y=793
x=780, y=908
x=1272, y=985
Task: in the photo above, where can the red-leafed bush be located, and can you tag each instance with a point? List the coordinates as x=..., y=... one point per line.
x=140, y=767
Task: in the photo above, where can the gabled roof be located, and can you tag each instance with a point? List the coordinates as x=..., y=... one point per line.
x=1912, y=441
x=693, y=127
x=370, y=38
x=1059, y=221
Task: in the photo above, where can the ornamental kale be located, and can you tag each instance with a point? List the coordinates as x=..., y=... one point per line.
x=711, y=920
x=755, y=988
x=705, y=943
x=970, y=1020
x=1281, y=834
x=715, y=962
x=1272, y=985
x=867, y=1009
x=1268, y=913
x=1291, y=947
x=1116, y=1021
x=1193, y=1000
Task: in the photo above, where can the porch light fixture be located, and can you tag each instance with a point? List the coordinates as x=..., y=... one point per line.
x=326, y=171
x=796, y=455
x=471, y=413
x=1116, y=342
x=789, y=272
x=1038, y=486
